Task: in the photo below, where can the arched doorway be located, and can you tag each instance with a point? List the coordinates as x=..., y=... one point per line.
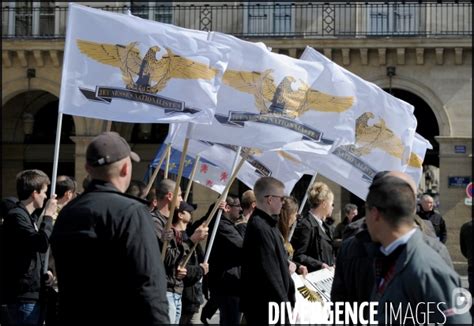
x=28, y=136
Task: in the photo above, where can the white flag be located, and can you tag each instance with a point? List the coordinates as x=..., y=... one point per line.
x=123, y=68
x=269, y=99
x=415, y=164
x=384, y=134
x=277, y=164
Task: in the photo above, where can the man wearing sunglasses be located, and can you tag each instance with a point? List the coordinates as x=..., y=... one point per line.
x=265, y=269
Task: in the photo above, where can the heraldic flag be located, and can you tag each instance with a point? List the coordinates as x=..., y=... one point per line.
x=269, y=99
x=124, y=68
x=415, y=164
x=384, y=134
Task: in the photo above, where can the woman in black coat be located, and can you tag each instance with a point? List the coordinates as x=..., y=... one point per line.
x=313, y=239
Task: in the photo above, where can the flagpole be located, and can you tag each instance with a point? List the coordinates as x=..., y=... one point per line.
x=191, y=177
x=157, y=169
x=303, y=202
x=219, y=214
x=176, y=190
x=216, y=206
x=305, y=198
x=54, y=175
x=167, y=166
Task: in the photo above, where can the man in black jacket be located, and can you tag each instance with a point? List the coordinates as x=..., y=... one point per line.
x=265, y=267
x=225, y=261
x=107, y=256
x=428, y=213
x=22, y=263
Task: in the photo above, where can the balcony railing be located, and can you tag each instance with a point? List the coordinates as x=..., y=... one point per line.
x=311, y=20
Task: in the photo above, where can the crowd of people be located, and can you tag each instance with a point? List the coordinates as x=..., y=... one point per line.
x=95, y=258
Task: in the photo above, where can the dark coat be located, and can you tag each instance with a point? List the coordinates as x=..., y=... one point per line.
x=312, y=245
x=438, y=223
x=108, y=261
x=265, y=274
x=225, y=259
x=420, y=275
x=354, y=277
x=192, y=297
x=465, y=240
x=23, y=248
x=339, y=231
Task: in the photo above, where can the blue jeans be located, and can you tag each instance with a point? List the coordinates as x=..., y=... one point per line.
x=21, y=314
x=174, y=303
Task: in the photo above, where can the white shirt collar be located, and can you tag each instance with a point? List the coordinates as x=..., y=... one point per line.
x=320, y=222
x=398, y=242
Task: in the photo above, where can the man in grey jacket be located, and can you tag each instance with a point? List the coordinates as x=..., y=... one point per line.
x=413, y=284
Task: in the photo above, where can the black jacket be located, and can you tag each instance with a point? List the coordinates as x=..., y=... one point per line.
x=108, y=261
x=178, y=248
x=225, y=259
x=265, y=274
x=353, y=277
x=312, y=245
x=23, y=248
x=192, y=297
x=465, y=241
x=438, y=223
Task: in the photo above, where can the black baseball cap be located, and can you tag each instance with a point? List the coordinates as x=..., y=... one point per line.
x=185, y=207
x=107, y=148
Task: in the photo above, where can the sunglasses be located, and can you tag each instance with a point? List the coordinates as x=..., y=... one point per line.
x=281, y=197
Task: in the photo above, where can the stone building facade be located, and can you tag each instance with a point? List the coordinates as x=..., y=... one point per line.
x=422, y=53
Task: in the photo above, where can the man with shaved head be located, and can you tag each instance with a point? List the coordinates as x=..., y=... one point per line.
x=358, y=250
x=403, y=256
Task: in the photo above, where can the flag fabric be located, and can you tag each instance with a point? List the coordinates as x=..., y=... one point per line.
x=415, y=164
x=384, y=135
x=268, y=99
x=124, y=68
x=312, y=294
x=207, y=173
x=260, y=163
x=384, y=124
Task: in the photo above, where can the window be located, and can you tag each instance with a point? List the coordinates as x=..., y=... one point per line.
x=32, y=18
x=269, y=18
x=393, y=19
x=157, y=11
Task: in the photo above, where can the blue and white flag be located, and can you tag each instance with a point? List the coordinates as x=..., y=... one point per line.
x=207, y=173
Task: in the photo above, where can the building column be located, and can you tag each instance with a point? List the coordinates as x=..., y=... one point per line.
x=455, y=162
x=80, y=158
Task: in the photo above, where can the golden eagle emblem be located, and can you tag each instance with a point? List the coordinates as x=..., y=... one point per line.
x=151, y=74
x=415, y=161
x=378, y=135
x=310, y=295
x=282, y=98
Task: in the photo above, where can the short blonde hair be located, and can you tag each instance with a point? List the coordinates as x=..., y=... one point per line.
x=318, y=193
x=248, y=197
x=265, y=185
